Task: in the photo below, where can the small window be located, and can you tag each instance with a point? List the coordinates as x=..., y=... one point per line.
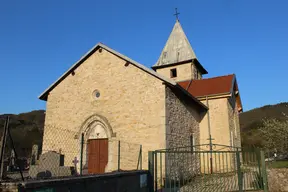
x=173, y=73
x=96, y=94
x=195, y=73
x=164, y=55
x=192, y=142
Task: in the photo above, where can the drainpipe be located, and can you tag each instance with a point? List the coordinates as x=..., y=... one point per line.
x=210, y=137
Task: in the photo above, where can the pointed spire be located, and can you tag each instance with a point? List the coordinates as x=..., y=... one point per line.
x=177, y=47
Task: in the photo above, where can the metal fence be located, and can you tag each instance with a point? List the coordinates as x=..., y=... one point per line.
x=62, y=154
x=194, y=168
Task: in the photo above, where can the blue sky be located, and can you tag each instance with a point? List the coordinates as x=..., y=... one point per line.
x=39, y=40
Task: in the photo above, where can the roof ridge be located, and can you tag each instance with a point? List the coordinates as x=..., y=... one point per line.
x=91, y=51
x=232, y=74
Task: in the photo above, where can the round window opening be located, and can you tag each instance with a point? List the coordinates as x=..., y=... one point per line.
x=96, y=94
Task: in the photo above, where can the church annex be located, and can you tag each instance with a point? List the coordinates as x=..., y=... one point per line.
x=110, y=98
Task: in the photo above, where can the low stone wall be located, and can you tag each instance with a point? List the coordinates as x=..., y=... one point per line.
x=278, y=180
x=129, y=181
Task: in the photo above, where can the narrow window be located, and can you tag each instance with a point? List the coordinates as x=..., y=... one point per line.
x=231, y=139
x=235, y=126
x=195, y=73
x=173, y=73
x=164, y=55
x=178, y=54
x=192, y=142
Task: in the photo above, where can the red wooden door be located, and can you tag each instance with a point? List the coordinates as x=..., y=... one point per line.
x=97, y=155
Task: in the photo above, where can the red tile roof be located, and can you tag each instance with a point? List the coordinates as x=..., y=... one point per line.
x=209, y=86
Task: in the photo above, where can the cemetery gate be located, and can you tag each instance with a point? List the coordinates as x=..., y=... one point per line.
x=198, y=168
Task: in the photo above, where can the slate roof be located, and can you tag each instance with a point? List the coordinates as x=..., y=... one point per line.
x=178, y=50
x=177, y=47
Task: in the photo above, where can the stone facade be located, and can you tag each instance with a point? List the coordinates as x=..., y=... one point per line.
x=184, y=72
x=182, y=122
x=131, y=102
x=234, y=126
x=225, y=130
x=182, y=119
x=219, y=122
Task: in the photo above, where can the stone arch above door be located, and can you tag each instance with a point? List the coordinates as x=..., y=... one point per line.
x=96, y=125
x=96, y=130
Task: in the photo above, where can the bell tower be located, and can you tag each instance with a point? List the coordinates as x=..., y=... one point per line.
x=177, y=59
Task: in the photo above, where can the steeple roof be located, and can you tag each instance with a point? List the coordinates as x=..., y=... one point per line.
x=177, y=48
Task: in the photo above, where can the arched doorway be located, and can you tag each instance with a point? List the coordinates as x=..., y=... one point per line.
x=97, y=132
x=97, y=148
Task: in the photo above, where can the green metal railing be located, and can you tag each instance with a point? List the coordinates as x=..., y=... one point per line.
x=197, y=169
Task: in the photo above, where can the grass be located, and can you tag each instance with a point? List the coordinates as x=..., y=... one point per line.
x=277, y=164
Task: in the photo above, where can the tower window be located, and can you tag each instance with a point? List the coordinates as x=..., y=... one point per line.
x=195, y=73
x=164, y=55
x=173, y=73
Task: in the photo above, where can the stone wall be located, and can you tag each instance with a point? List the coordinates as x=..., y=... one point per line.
x=278, y=180
x=131, y=103
x=184, y=72
x=182, y=122
x=221, y=117
x=234, y=125
x=219, y=122
x=182, y=119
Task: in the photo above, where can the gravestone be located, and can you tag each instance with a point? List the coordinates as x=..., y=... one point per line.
x=12, y=157
x=51, y=164
x=52, y=159
x=34, y=155
x=11, y=165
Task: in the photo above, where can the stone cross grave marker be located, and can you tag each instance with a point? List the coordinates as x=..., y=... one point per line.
x=75, y=161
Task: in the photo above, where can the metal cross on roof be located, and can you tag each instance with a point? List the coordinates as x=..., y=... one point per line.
x=176, y=14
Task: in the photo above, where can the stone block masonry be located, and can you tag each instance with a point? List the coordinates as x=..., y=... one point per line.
x=131, y=100
x=182, y=124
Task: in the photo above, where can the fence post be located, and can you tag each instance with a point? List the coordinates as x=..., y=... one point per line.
x=3, y=144
x=259, y=166
x=139, y=163
x=239, y=173
x=155, y=171
x=16, y=156
x=141, y=158
x=151, y=169
x=119, y=155
x=81, y=153
x=264, y=173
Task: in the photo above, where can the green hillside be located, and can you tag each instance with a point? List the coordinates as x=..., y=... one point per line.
x=26, y=130
x=250, y=122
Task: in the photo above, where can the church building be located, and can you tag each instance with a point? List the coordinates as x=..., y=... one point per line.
x=109, y=97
